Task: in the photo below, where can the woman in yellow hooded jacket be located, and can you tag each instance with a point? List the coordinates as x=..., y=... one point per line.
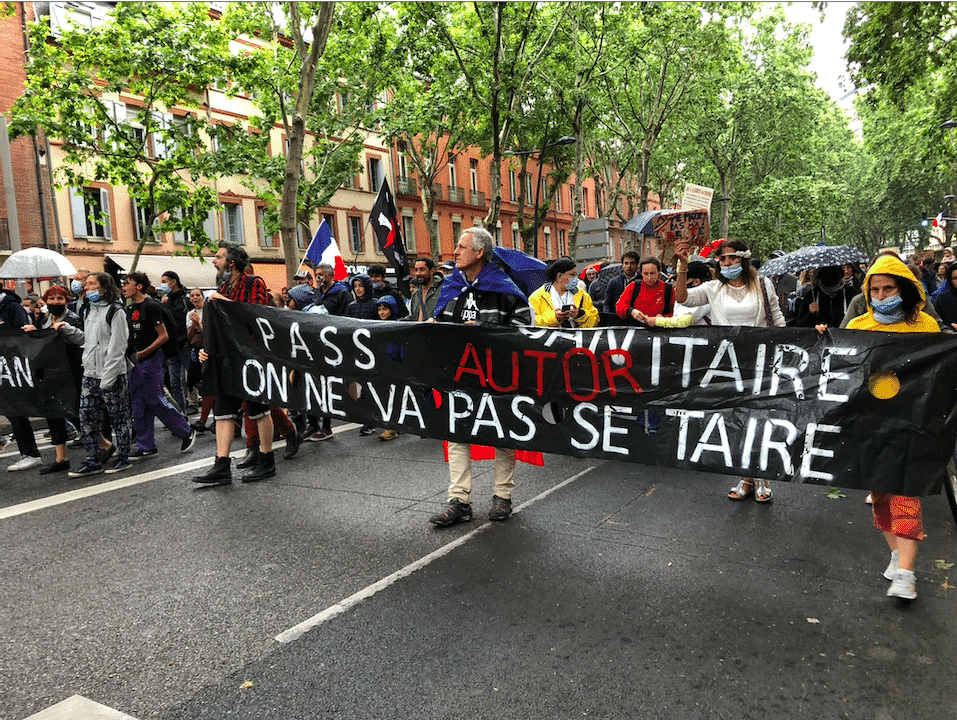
x=894, y=301
x=561, y=302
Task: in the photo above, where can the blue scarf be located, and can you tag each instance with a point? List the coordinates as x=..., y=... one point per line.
x=491, y=279
x=889, y=311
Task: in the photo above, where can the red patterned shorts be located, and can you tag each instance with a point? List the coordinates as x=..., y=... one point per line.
x=898, y=515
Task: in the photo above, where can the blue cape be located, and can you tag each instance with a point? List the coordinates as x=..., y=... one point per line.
x=491, y=279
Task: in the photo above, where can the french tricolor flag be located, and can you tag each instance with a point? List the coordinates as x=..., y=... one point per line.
x=324, y=250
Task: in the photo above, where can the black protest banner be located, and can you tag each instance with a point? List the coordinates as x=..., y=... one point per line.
x=862, y=410
x=35, y=376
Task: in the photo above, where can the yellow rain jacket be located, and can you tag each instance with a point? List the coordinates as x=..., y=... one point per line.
x=889, y=265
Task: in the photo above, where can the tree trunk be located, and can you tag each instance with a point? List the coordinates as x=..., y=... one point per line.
x=297, y=134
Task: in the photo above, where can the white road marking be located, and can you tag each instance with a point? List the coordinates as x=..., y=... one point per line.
x=332, y=611
x=125, y=482
x=78, y=707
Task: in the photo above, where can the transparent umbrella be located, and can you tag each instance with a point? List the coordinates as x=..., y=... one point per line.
x=36, y=263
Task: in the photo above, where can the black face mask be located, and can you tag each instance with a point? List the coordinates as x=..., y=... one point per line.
x=56, y=310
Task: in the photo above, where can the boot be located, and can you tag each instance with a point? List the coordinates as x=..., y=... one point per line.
x=292, y=446
x=249, y=459
x=265, y=468
x=218, y=474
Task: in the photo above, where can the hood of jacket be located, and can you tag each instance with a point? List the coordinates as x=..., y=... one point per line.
x=890, y=265
x=390, y=301
x=366, y=284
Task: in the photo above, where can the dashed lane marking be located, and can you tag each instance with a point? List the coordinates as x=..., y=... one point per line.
x=294, y=633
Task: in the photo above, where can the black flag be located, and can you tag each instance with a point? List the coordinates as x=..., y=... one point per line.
x=385, y=224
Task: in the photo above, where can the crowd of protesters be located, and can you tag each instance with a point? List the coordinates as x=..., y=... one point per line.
x=136, y=351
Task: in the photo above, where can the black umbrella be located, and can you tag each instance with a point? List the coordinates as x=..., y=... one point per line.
x=813, y=256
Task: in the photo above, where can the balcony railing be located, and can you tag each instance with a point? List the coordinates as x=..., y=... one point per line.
x=477, y=198
x=407, y=186
x=4, y=234
x=456, y=194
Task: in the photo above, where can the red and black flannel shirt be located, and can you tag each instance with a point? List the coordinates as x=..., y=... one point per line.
x=248, y=289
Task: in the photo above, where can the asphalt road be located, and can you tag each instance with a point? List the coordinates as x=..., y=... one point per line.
x=615, y=591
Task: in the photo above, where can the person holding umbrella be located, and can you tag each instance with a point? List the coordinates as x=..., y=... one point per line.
x=826, y=299
x=738, y=297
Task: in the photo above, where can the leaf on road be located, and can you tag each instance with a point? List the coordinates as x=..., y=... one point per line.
x=942, y=565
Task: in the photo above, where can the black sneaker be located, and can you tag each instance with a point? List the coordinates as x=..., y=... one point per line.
x=139, y=453
x=501, y=508
x=188, y=443
x=119, y=465
x=55, y=467
x=86, y=469
x=455, y=512
x=366, y=430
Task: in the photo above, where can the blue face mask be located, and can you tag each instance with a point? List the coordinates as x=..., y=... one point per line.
x=573, y=285
x=164, y=288
x=731, y=272
x=93, y=296
x=889, y=310
x=76, y=286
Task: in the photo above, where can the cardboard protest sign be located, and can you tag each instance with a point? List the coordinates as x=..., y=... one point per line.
x=873, y=411
x=690, y=225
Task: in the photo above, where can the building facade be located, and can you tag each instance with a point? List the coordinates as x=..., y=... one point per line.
x=99, y=226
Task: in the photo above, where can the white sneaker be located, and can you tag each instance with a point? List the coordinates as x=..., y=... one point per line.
x=25, y=463
x=891, y=571
x=904, y=585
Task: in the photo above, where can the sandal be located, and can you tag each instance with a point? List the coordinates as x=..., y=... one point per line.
x=762, y=493
x=740, y=491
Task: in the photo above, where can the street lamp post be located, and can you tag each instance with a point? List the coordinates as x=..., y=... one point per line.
x=566, y=140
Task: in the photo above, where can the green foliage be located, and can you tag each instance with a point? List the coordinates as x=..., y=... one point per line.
x=164, y=56
x=350, y=78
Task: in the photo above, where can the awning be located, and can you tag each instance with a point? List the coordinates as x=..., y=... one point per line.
x=193, y=272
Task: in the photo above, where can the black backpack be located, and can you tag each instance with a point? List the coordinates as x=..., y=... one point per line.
x=171, y=347
x=130, y=347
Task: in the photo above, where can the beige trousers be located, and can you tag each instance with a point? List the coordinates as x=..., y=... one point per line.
x=460, y=472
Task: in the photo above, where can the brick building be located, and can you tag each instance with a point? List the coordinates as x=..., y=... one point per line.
x=31, y=179
x=61, y=220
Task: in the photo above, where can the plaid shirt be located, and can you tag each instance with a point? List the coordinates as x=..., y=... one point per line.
x=248, y=289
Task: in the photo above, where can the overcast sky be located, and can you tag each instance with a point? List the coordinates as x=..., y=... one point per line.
x=829, y=45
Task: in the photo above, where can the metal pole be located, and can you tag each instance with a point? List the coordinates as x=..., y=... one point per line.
x=10, y=194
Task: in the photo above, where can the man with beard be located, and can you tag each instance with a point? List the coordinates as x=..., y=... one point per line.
x=331, y=293
x=426, y=286
x=236, y=286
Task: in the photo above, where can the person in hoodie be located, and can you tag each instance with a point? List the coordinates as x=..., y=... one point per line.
x=387, y=309
x=14, y=316
x=894, y=301
x=826, y=299
x=104, y=388
x=381, y=286
x=364, y=306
